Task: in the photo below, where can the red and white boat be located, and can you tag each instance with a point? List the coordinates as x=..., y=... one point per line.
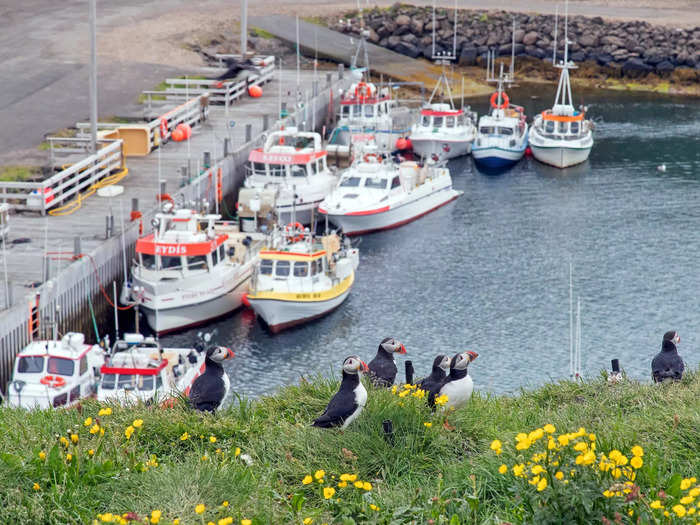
x=443, y=131
x=377, y=194
x=192, y=269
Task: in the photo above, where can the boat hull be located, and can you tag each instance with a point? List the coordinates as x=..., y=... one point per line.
x=560, y=156
x=445, y=149
x=495, y=158
x=361, y=222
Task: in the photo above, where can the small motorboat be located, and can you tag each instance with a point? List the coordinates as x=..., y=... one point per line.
x=301, y=277
x=444, y=131
x=55, y=373
x=376, y=193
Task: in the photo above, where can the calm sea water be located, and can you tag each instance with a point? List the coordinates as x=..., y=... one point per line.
x=490, y=272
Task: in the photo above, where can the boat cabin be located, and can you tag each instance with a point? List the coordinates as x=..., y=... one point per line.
x=288, y=154
x=563, y=122
x=503, y=122
x=143, y=376
x=441, y=117
x=363, y=101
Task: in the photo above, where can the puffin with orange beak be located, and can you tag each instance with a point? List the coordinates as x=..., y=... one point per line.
x=458, y=385
x=382, y=369
x=211, y=388
x=348, y=402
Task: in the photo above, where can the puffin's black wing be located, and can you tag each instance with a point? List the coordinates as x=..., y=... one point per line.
x=207, y=392
x=667, y=365
x=382, y=371
x=341, y=405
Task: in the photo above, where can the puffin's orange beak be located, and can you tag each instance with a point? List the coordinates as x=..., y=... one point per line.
x=472, y=356
x=364, y=368
x=403, y=350
x=230, y=354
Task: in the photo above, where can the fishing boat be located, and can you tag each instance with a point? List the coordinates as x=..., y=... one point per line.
x=193, y=268
x=376, y=193
x=55, y=372
x=139, y=369
x=562, y=136
x=301, y=277
x=501, y=140
x=287, y=179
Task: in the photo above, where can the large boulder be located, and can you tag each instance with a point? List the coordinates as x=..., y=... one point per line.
x=604, y=58
x=373, y=36
x=665, y=67
x=612, y=40
x=635, y=68
x=468, y=56
x=389, y=25
x=535, y=52
x=407, y=49
x=403, y=20
x=530, y=38
x=519, y=35
x=578, y=56
x=393, y=41
x=417, y=26
x=409, y=38
x=655, y=55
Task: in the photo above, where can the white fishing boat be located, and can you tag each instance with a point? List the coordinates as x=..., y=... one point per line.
x=562, y=136
x=300, y=278
x=287, y=179
x=140, y=370
x=377, y=194
x=55, y=373
x=191, y=269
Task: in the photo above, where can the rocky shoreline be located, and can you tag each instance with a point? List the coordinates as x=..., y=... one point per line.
x=625, y=49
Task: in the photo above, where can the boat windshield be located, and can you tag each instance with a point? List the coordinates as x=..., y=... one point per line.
x=450, y=122
x=266, y=267
x=301, y=269
x=376, y=182
x=148, y=261
x=425, y=121
x=130, y=382
x=60, y=366
x=32, y=364
x=298, y=170
x=487, y=130
x=505, y=131
x=437, y=122
x=108, y=381
x=351, y=182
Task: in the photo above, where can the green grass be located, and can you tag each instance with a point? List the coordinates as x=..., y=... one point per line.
x=262, y=33
x=17, y=173
x=445, y=475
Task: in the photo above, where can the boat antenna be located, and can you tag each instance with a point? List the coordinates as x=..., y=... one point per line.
x=512, y=53
x=298, y=61
x=444, y=59
x=564, y=87
x=116, y=313
x=554, y=48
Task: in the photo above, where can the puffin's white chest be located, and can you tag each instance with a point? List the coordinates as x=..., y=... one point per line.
x=361, y=400
x=227, y=386
x=458, y=392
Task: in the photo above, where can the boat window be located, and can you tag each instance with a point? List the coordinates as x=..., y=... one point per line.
x=345, y=111
x=60, y=366
x=278, y=170
x=282, y=269
x=298, y=170
x=266, y=267
x=369, y=110
x=215, y=257
x=146, y=383
x=197, y=262
x=395, y=182
x=460, y=120
x=505, y=131
x=171, y=263
x=83, y=365
x=487, y=130
x=148, y=261
x=376, y=182
x=562, y=127
x=450, y=121
x=301, y=269
x=315, y=166
x=437, y=122
x=317, y=266
x=351, y=182
x=575, y=128
x=322, y=164
x=159, y=382
x=222, y=253
x=32, y=364
x=125, y=381
x=425, y=121
x=549, y=126
x=357, y=110
x=108, y=381
x=259, y=168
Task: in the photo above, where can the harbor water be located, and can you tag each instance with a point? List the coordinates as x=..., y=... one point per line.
x=490, y=271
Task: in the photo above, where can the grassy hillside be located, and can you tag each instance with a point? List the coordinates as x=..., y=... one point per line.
x=260, y=461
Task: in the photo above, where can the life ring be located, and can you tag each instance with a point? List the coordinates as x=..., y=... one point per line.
x=53, y=381
x=291, y=228
x=163, y=128
x=369, y=156
x=504, y=104
x=362, y=90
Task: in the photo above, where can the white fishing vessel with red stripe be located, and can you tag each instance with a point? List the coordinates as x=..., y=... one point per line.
x=139, y=370
x=288, y=177
x=377, y=194
x=193, y=268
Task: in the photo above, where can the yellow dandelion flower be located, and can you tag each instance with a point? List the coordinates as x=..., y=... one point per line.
x=212, y=439
x=176, y=521
x=155, y=516
x=496, y=445
x=637, y=451
x=69, y=457
x=106, y=517
x=591, y=437
x=87, y=422
x=42, y=455
x=695, y=492
x=102, y=431
x=394, y=389
x=107, y=411
x=200, y=508
x=307, y=479
x=428, y=425
x=205, y=457
x=616, y=473
x=404, y=393
x=185, y=436
x=563, y=440
x=636, y=462
x=237, y=452
x=345, y=477
x=36, y=486
x=559, y=475
x=503, y=469
x=656, y=504
x=308, y=521
x=685, y=483
x=687, y=500
x=535, y=434
x=328, y=492
x=246, y=522
x=91, y=452
x=74, y=438
x=608, y=493
x=129, y=431
x=373, y=506
x=691, y=511
x=342, y=484
x=679, y=510
x=534, y=481
x=319, y=474
x=581, y=446
x=94, y=429
x=523, y=444
x=551, y=444
x=138, y=423
x=549, y=428
x=359, y=484
x=64, y=441
x=542, y=485
x=518, y=470
x=441, y=400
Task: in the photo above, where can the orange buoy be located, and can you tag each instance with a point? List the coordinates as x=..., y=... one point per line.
x=401, y=144
x=255, y=91
x=409, y=144
x=178, y=135
x=186, y=130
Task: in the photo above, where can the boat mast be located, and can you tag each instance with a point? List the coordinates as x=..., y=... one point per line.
x=564, y=87
x=444, y=59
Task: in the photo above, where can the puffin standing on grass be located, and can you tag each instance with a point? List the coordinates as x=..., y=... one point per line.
x=348, y=402
x=433, y=383
x=458, y=386
x=668, y=364
x=211, y=388
x=382, y=369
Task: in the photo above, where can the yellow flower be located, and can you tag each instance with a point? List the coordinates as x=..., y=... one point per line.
x=319, y=474
x=518, y=470
x=342, y=484
x=105, y=411
x=551, y=444
x=420, y=394
x=503, y=469
x=588, y=458
x=428, y=425
x=581, y=446
x=393, y=389
x=441, y=400
x=637, y=451
x=591, y=437
x=36, y=486
x=107, y=518
x=307, y=479
x=542, y=485
x=636, y=462
x=685, y=483
x=656, y=504
x=64, y=441
x=69, y=457
x=42, y=455
x=523, y=444
x=74, y=438
x=549, y=428
x=537, y=469
x=87, y=422
x=212, y=439
x=328, y=492
x=367, y=485
x=559, y=475
x=129, y=431
x=308, y=521
x=496, y=445
x=237, y=452
x=224, y=504
x=563, y=440
x=535, y=434
x=687, y=500
x=91, y=452
x=184, y=437
x=679, y=510
x=614, y=454
x=199, y=509
x=155, y=516
x=694, y=492
x=616, y=473
x=246, y=522
x=137, y=423
x=205, y=457
x=176, y=521
x=621, y=460
x=359, y=484
x=94, y=429
x=608, y=494
x=102, y=431
x=691, y=511
x=373, y=506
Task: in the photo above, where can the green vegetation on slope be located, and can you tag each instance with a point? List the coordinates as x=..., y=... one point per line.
x=251, y=461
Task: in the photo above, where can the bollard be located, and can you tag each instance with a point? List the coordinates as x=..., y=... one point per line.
x=409, y=372
x=388, y=427
x=134, y=204
x=227, y=146
x=207, y=160
x=77, y=251
x=248, y=133
x=162, y=187
x=266, y=122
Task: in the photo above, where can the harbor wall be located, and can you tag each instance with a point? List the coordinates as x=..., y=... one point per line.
x=66, y=297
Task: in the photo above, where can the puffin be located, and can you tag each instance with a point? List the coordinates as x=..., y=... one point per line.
x=348, y=402
x=211, y=388
x=382, y=369
x=458, y=386
x=667, y=364
x=433, y=383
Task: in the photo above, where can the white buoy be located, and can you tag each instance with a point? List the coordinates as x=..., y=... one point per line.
x=661, y=168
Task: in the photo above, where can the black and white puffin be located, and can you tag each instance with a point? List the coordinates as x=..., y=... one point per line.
x=667, y=364
x=458, y=386
x=382, y=369
x=433, y=383
x=211, y=388
x=350, y=399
